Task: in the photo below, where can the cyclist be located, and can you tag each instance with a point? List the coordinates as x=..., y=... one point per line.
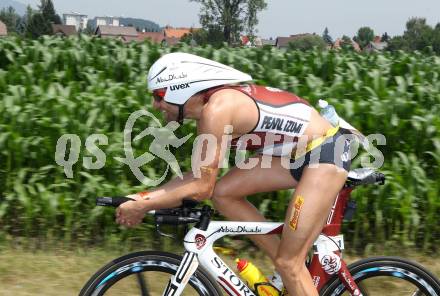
x=269, y=120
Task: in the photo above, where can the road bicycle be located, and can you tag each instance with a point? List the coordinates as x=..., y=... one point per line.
x=200, y=271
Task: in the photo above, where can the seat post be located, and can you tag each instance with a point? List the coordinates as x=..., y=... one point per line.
x=334, y=220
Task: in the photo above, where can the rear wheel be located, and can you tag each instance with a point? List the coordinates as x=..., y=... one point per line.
x=146, y=274
x=387, y=276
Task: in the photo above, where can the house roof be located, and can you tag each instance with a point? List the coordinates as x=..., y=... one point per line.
x=74, y=14
x=170, y=41
x=116, y=31
x=338, y=42
x=3, y=29
x=66, y=30
x=284, y=41
x=244, y=40
x=107, y=17
x=153, y=36
x=377, y=39
x=177, y=32
x=356, y=45
x=376, y=46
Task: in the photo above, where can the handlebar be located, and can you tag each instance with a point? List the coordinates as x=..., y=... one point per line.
x=113, y=201
x=174, y=220
x=185, y=214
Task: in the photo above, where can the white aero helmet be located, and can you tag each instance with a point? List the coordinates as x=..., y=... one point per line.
x=183, y=75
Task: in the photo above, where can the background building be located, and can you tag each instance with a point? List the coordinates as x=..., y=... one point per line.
x=125, y=34
x=75, y=19
x=3, y=29
x=63, y=30
x=107, y=21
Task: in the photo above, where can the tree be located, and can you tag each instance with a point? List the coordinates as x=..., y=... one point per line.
x=346, y=43
x=364, y=36
x=188, y=38
x=10, y=18
x=385, y=37
x=22, y=27
x=41, y=21
x=48, y=11
x=38, y=26
x=89, y=30
x=232, y=17
x=418, y=34
x=202, y=37
x=326, y=36
x=308, y=42
x=436, y=39
x=397, y=43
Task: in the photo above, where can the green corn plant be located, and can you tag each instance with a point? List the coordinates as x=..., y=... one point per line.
x=83, y=86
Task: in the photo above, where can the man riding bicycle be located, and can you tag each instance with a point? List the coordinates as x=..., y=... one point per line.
x=268, y=120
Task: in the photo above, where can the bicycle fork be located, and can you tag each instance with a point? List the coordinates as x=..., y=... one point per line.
x=186, y=269
x=225, y=277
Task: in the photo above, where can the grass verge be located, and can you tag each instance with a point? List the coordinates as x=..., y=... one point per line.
x=64, y=272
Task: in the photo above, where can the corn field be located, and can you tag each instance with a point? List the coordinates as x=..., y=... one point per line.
x=83, y=86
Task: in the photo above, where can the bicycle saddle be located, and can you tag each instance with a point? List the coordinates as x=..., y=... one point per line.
x=363, y=176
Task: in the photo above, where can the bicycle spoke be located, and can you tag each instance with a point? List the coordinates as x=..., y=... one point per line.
x=142, y=284
x=417, y=293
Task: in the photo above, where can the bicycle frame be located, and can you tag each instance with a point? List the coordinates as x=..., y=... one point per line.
x=326, y=260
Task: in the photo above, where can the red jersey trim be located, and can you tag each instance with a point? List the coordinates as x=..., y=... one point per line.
x=252, y=91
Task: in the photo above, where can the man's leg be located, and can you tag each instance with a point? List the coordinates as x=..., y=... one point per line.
x=231, y=190
x=307, y=213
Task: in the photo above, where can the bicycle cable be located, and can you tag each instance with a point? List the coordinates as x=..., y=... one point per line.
x=339, y=248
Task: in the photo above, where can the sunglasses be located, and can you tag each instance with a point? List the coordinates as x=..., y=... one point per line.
x=159, y=94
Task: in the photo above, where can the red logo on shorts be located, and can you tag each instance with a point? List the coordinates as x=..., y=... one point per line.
x=200, y=241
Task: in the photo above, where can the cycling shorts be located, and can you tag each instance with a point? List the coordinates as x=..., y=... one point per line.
x=334, y=150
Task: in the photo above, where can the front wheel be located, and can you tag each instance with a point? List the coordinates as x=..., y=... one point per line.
x=145, y=274
x=386, y=276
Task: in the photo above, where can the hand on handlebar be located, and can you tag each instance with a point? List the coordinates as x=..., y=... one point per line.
x=131, y=213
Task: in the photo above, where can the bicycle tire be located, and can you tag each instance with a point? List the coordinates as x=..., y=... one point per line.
x=394, y=267
x=140, y=263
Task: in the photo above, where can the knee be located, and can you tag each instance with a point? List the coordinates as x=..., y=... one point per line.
x=218, y=197
x=222, y=197
x=290, y=267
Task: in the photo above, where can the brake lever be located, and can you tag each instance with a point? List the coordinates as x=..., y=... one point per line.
x=162, y=233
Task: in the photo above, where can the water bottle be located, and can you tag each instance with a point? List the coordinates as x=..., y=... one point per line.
x=277, y=282
x=255, y=278
x=328, y=112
